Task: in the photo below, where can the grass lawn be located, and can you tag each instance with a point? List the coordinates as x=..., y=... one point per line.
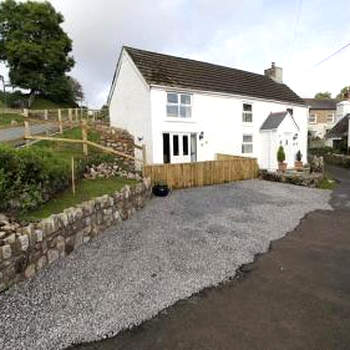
x=6, y=118
x=328, y=183
x=66, y=151
x=85, y=190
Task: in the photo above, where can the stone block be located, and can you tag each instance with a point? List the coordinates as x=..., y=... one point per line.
x=24, y=242
x=6, y=252
x=52, y=255
x=41, y=263
x=61, y=245
x=29, y=271
x=38, y=236
x=48, y=226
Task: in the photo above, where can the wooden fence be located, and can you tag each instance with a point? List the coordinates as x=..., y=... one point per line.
x=226, y=169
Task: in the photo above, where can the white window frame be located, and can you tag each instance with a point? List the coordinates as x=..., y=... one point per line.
x=314, y=116
x=330, y=115
x=246, y=114
x=179, y=104
x=246, y=144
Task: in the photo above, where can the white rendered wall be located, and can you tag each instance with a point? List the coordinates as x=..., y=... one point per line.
x=220, y=118
x=343, y=108
x=130, y=104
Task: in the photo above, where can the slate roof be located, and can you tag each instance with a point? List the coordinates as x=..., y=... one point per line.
x=327, y=104
x=177, y=72
x=273, y=121
x=340, y=129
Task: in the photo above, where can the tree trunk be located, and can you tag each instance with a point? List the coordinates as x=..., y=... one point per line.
x=31, y=98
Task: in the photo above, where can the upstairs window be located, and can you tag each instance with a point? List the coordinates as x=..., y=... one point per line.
x=330, y=118
x=247, y=115
x=247, y=145
x=312, y=119
x=179, y=105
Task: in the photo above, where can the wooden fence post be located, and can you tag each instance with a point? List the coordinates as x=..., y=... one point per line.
x=46, y=114
x=70, y=117
x=73, y=177
x=60, y=121
x=25, y=112
x=85, y=137
x=76, y=115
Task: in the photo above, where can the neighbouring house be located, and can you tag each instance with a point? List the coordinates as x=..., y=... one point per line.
x=187, y=111
x=322, y=115
x=339, y=135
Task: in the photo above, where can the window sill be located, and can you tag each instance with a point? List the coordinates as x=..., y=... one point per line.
x=180, y=120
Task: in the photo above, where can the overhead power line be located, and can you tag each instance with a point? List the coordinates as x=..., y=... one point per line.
x=333, y=54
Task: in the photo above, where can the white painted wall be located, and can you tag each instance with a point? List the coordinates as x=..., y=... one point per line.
x=320, y=129
x=129, y=106
x=343, y=108
x=220, y=118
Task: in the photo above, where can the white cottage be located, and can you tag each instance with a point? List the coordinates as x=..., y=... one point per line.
x=186, y=110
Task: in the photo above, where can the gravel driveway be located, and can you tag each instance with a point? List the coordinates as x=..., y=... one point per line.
x=173, y=248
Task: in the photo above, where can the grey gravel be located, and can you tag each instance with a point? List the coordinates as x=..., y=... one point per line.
x=173, y=248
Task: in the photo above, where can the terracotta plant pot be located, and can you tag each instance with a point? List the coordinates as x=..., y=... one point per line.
x=298, y=165
x=282, y=167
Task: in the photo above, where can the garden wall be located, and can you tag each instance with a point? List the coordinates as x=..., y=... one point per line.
x=120, y=140
x=337, y=159
x=24, y=251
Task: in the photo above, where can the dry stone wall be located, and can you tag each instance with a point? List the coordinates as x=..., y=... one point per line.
x=24, y=251
x=120, y=140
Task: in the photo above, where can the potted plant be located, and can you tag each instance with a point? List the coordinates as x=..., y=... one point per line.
x=298, y=164
x=281, y=157
x=160, y=189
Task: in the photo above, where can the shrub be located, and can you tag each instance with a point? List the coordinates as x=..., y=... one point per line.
x=281, y=157
x=298, y=156
x=29, y=177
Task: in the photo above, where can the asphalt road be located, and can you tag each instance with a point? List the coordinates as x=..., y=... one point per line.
x=17, y=133
x=297, y=296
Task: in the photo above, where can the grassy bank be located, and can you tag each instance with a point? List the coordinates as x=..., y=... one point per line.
x=85, y=190
x=6, y=119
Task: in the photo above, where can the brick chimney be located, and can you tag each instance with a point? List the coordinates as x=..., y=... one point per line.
x=274, y=73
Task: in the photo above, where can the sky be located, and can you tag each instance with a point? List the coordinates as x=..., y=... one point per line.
x=244, y=34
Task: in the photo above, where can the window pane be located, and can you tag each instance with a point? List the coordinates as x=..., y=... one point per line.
x=247, y=138
x=185, y=99
x=172, y=98
x=175, y=145
x=185, y=145
x=185, y=112
x=247, y=117
x=172, y=111
x=247, y=148
x=247, y=107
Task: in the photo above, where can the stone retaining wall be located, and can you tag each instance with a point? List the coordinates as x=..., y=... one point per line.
x=120, y=140
x=29, y=249
x=337, y=159
x=301, y=179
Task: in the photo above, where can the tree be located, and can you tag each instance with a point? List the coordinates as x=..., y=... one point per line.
x=344, y=93
x=33, y=45
x=281, y=156
x=323, y=95
x=65, y=89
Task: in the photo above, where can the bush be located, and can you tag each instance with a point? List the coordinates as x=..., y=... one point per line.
x=29, y=177
x=281, y=157
x=298, y=156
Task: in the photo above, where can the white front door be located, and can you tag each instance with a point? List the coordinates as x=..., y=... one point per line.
x=180, y=147
x=290, y=148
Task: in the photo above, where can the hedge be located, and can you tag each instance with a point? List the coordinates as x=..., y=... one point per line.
x=29, y=177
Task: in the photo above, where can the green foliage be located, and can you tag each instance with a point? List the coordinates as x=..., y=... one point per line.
x=85, y=190
x=28, y=177
x=327, y=183
x=33, y=44
x=298, y=156
x=7, y=118
x=323, y=95
x=344, y=93
x=281, y=157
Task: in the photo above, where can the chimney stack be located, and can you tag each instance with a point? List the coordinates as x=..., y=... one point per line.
x=274, y=73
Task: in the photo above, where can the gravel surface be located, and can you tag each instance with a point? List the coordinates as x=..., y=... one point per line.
x=173, y=248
